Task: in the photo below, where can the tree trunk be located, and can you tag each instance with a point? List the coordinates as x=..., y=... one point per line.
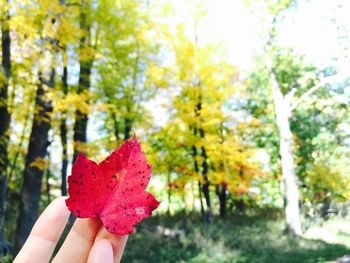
x=63, y=124
x=206, y=184
x=81, y=118
x=325, y=209
x=64, y=167
x=63, y=133
x=221, y=192
x=38, y=143
x=205, y=170
x=201, y=198
x=115, y=127
x=4, y=246
x=283, y=112
x=240, y=205
x=48, y=186
x=206, y=192
x=127, y=128
x=4, y=121
x=80, y=127
x=221, y=188
x=196, y=169
x=169, y=191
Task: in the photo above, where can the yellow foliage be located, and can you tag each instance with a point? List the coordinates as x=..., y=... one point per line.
x=87, y=54
x=326, y=181
x=40, y=163
x=78, y=101
x=82, y=146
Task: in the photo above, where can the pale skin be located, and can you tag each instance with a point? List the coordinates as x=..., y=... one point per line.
x=87, y=241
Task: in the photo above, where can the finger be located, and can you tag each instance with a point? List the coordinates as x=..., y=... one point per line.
x=79, y=241
x=45, y=233
x=118, y=243
x=102, y=251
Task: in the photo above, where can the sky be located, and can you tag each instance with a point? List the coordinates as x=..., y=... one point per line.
x=309, y=28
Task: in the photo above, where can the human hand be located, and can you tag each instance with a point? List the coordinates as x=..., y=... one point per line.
x=87, y=241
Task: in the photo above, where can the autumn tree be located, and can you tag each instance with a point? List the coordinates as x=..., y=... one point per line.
x=124, y=57
x=205, y=82
x=45, y=27
x=170, y=158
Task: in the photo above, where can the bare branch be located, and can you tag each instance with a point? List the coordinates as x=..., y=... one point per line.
x=323, y=82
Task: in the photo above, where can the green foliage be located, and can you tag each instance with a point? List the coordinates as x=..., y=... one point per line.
x=6, y=259
x=313, y=124
x=292, y=72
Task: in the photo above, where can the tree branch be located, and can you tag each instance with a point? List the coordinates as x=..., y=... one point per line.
x=319, y=85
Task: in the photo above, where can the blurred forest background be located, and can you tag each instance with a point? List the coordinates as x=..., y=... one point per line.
x=241, y=107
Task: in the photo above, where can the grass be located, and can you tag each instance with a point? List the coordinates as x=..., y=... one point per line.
x=239, y=239
x=336, y=230
x=185, y=238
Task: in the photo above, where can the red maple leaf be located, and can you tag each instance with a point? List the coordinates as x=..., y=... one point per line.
x=114, y=189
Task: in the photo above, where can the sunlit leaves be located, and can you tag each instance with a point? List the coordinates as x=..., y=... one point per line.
x=40, y=163
x=326, y=182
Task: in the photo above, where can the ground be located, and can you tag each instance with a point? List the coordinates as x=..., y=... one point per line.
x=237, y=239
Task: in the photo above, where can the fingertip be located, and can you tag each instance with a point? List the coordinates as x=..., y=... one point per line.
x=52, y=221
x=102, y=251
x=118, y=242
